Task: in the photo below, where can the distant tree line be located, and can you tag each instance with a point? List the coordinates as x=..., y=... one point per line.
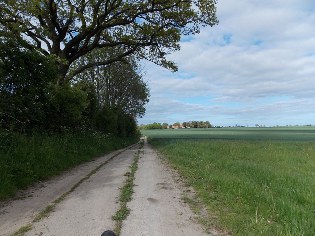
x=177, y=125
x=197, y=124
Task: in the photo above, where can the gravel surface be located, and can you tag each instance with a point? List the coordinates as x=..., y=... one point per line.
x=156, y=208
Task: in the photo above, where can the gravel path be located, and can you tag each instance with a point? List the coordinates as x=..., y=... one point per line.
x=156, y=208
x=156, y=205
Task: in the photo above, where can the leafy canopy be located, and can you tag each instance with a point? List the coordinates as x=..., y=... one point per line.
x=69, y=29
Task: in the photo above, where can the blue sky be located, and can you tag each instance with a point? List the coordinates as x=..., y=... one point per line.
x=256, y=67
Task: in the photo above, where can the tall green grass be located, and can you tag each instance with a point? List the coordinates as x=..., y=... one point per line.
x=250, y=187
x=27, y=159
x=253, y=134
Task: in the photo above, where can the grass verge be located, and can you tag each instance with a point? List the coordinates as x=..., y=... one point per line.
x=250, y=187
x=126, y=195
x=25, y=160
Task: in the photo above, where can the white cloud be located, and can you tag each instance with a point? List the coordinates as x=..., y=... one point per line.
x=261, y=56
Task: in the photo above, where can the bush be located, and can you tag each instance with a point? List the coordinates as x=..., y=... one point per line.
x=66, y=106
x=115, y=122
x=25, y=76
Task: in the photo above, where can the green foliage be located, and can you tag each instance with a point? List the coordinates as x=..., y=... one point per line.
x=25, y=159
x=153, y=126
x=149, y=29
x=107, y=121
x=116, y=93
x=195, y=124
x=190, y=124
x=117, y=86
x=116, y=123
x=36, y=99
x=281, y=134
x=121, y=214
x=92, y=107
x=67, y=104
x=164, y=125
x=25, y=77
x=31, y=100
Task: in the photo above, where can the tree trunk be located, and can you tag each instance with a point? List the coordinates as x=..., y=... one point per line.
x=62, y=72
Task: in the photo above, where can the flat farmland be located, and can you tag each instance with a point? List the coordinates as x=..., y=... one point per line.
x=253, y=181
x=284, y=134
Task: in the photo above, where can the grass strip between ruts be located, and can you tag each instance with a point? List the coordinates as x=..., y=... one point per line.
x=126, y=194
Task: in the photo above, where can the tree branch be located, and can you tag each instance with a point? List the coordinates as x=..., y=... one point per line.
x=102, y=63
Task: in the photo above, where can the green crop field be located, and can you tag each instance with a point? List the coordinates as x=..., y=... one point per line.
x=284, y=134
x=252, y=181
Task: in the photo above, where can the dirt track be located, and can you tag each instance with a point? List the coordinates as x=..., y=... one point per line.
x=156, y=208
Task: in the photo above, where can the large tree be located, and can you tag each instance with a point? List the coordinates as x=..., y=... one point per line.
x=70, y=29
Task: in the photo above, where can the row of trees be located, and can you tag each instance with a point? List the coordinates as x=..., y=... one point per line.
x=107, y=99
x=197, y=124
x=154, y=125
x=72, y=63
x=190, y=124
